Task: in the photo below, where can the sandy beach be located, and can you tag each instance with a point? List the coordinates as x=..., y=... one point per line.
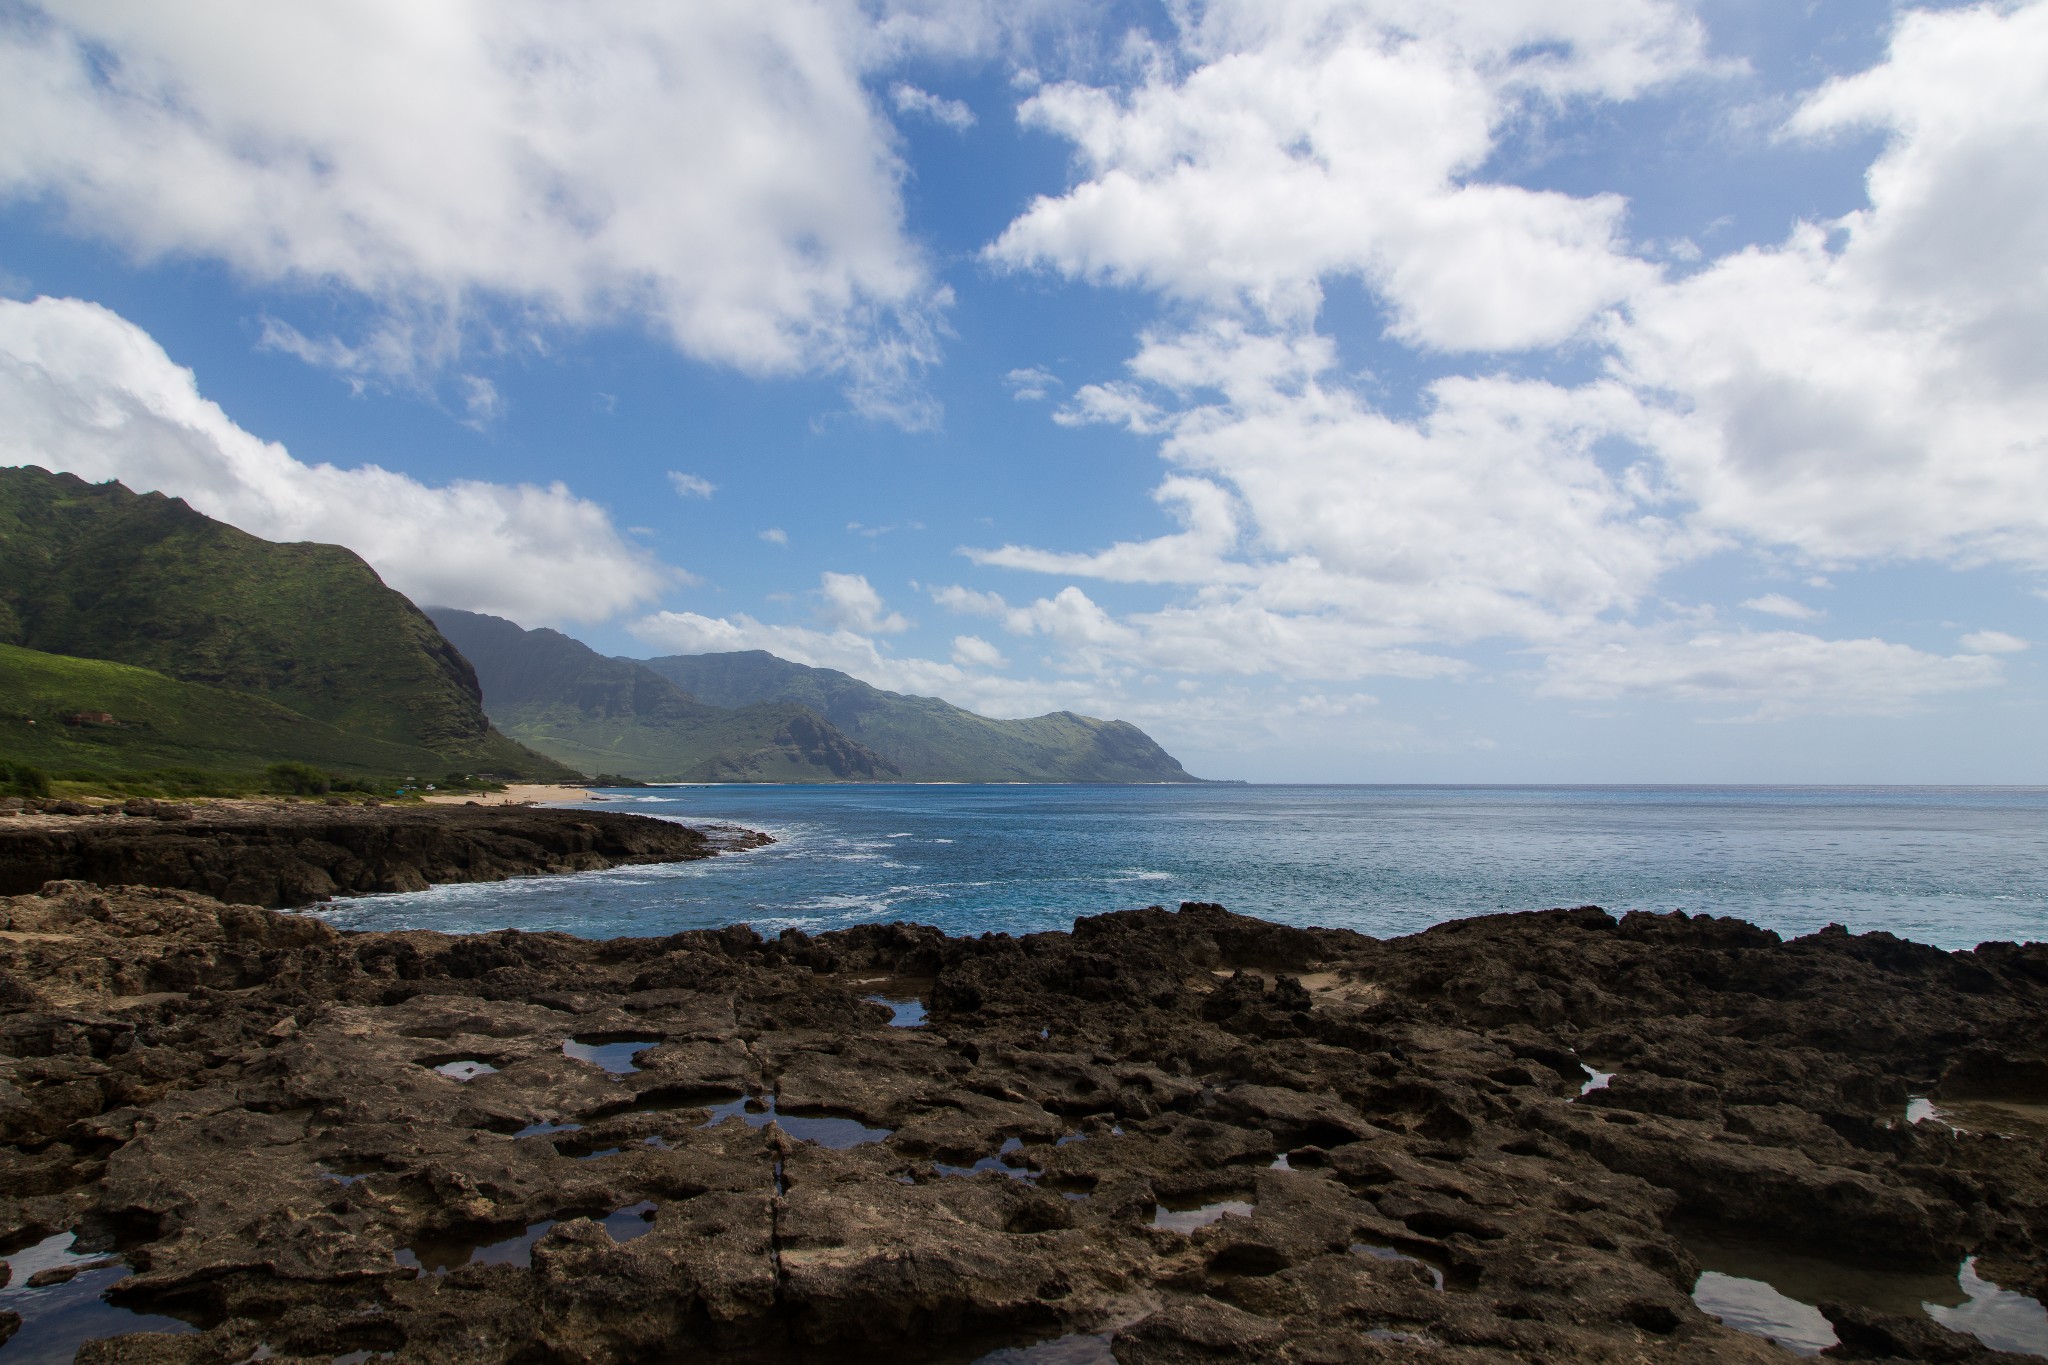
x=522, y=795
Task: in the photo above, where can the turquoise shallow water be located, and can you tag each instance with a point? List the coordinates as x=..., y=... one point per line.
x=1952, y=866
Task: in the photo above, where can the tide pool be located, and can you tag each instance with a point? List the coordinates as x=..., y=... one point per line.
x=1951, y=866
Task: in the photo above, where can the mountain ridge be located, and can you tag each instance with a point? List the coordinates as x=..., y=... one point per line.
x=558, y=695
x=97, y=571
x=929, y=739
x=752, y=716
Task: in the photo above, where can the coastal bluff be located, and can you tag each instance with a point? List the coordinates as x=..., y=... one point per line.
x=1164, y=1137
x=278, y=855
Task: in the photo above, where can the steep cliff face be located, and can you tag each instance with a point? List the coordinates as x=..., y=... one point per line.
x=96, y=571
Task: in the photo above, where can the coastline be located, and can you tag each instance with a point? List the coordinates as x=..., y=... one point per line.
x=280, y=854
x=1178, y=1135
x=518, y=794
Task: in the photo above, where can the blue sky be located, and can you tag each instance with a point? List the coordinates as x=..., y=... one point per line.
x=1347, y=390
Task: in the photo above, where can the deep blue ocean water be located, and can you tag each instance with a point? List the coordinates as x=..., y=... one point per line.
x=1952, y=866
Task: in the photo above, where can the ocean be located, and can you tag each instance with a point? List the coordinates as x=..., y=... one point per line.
x=1951, y=866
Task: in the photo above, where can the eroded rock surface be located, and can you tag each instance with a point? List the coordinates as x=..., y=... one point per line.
x=263, y=1117
x=278, y=855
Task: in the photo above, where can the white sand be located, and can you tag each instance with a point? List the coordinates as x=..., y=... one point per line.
x=511, y=796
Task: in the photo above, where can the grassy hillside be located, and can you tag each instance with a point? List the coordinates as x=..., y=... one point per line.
x=160, y=722
x=565, y=699
x=96, y=571
x=927, y=739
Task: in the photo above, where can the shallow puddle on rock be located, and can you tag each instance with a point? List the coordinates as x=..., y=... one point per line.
x=1379, y=1253
x=1773, y=1292
x=545, y=1128
x=439, y=1253
x=2001, y=1118
x=905, y=1012
x=825, y=1129
x=349, y=1172
x=1183, y=1218
x=614, y=1052
x=1753, y=1306
x=995, y=1163
x=634, y=1220
x=464, y=1069
x=2003, y=1319
x=58, y=1318
x=1920, y=1109
x=1077, y=1349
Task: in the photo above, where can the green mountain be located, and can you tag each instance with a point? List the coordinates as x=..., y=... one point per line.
x=927, y=739
x=616, y=716
x=67, y=715
x=95, y=571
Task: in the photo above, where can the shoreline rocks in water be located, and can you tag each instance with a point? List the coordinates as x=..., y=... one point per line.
x=285, y=855
x=1165, y=1137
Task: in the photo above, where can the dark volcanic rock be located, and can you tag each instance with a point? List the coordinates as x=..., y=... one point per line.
x=246, y=1105
x=281, y=855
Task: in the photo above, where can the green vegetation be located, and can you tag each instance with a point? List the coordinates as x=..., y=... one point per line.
x=99, y=573
x=754, y=717
x=22, y=779
x=927, y=739
x=565, y=699
x=51, y=710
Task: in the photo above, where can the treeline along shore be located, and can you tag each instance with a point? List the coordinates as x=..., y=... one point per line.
x=1167, y=1136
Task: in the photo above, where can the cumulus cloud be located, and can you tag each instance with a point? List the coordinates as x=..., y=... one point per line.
x=85, y=391
x=1031, y=385
x=1866, y=390
x=971, y=651
x=717, y=173
x=775, y=535
x=1323, y=536
x=1280, y=145
x=1992, y=642
x=690, y=485
x=1778, y=604
x=1777, y=674
x=909, y=99
x=1872, y=387
x=850, y=602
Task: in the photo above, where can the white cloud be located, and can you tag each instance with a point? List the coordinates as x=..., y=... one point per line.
x=954, y=597
x=1031, y=385
x=1777, y=604
x=1777, y=673
x=1280, y=145
x=85, y=391
x=971, y=651
x=775, y=535
x=1322, y=536
x=1872, y=388
x=850, y=602
x=1869, y=390
x=718, y=173
x=924, y=104
x=690, y=485
x=1992, y=642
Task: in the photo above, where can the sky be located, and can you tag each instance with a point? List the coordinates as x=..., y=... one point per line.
x=1341, y=390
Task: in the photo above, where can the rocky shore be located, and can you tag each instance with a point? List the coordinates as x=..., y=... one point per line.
x=1165, y=1137
x=279, y=854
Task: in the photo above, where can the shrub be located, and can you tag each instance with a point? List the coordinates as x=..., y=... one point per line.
x=298, y=779
x=20, y=779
